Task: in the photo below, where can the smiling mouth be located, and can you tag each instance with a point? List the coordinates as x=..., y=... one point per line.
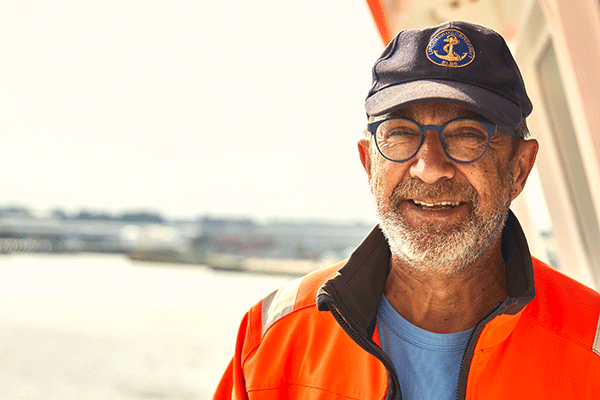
x=437, y=205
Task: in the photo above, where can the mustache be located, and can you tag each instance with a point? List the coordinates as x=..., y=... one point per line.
x=448, y=190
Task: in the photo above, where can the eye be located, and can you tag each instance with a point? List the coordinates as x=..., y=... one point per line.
x=467, y=133
x=399, y=130
x=402, y=132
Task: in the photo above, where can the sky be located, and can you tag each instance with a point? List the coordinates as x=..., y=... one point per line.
x=250, y=108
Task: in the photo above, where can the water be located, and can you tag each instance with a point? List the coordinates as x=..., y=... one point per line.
x=102, y=327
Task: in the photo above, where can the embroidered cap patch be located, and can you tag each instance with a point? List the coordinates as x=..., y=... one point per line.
x=450, y=48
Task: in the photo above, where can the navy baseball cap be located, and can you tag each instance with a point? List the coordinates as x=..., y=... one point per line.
x=456, y=62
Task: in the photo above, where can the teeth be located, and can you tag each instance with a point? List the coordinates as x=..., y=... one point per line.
x=437, y=204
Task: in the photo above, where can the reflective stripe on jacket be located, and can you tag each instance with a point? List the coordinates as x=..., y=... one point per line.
x=316, y=337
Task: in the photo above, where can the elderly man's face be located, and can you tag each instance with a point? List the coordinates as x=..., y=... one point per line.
x=436, y=213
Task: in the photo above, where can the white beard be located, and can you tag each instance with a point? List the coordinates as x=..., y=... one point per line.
x=442, y=248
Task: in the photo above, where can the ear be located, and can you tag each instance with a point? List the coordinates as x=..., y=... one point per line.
x=364, y=151
x=523, y=163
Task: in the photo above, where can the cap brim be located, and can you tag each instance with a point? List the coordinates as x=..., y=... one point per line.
x=487, y=103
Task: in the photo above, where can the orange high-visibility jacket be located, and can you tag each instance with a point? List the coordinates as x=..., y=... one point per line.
x=316, y=337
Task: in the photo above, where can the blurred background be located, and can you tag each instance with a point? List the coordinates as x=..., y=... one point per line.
x=167, y=165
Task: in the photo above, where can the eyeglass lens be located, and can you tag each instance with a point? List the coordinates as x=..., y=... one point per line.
x=463, y=140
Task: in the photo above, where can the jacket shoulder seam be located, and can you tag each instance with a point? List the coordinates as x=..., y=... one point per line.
x=257, y=345
x=562, y=335
x=279, y=303
x=291, y=297
x=290, y=313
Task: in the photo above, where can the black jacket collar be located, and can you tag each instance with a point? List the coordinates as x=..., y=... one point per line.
x=357, y=288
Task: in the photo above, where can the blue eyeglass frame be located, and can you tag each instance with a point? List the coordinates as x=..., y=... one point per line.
x=491, y=128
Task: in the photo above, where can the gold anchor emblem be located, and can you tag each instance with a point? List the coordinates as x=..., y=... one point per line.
x=451, y=38
x=450, y=54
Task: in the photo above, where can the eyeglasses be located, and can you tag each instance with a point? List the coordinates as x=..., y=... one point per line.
x=464, y=140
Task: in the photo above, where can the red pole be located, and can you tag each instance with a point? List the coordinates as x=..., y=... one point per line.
x=380, y=19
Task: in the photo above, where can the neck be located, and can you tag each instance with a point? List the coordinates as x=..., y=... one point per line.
x=447, y=303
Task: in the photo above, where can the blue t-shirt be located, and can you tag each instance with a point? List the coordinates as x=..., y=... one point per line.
x=427, y=363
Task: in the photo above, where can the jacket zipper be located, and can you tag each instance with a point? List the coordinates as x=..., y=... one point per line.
x=371, y=348
x=461, y=392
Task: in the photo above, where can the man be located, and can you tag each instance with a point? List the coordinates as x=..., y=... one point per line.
x=442, y=300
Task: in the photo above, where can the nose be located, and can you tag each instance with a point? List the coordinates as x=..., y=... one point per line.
x=431, y=163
